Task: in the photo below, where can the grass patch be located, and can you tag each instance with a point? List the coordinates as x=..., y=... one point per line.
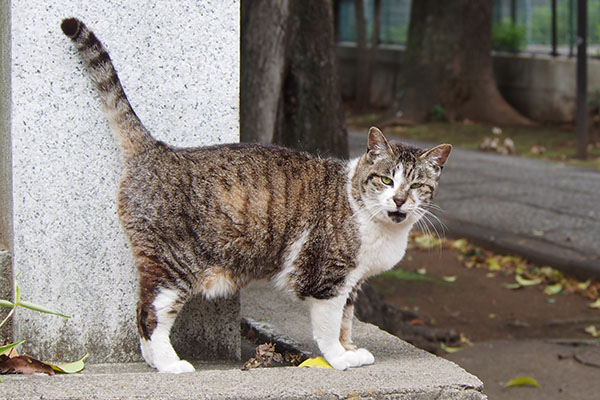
x=402, y=275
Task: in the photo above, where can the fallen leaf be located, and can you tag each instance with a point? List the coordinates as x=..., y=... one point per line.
x=583, y=285
x=493, y=264
x=449, y=279
x=449, y=349
x=537, y=232
x=427, y=241
x=595, y=304
x=592, y=331
x=422, y=271
x=315, y=362
x=416, y=321
x=69, y=368
x=553, y=289
x=293, y=358
x=24, y=365
x=527, y=282
x=511, y=286
x=522, y=381
x=265, y=357
x=461, y=245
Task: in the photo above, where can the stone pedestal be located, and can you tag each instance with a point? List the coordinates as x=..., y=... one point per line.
x=179, y=64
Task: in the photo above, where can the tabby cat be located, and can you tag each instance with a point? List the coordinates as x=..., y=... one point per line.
x=209, y=219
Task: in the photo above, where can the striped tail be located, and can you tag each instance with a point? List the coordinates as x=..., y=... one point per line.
x=131, y=133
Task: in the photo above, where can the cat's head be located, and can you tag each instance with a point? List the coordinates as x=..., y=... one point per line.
x=395, y=183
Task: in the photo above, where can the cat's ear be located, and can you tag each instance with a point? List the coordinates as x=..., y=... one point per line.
x=438, y=154
x=378, y=144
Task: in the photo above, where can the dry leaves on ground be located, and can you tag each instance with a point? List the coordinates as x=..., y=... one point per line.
x=265, y=357
x=525, y=273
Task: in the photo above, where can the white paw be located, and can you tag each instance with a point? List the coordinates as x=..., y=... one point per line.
x=366, y=358
x=176, y=367
x=350, y=359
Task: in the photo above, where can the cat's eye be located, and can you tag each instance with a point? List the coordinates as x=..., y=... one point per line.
x=387, y=181
x=416, y=185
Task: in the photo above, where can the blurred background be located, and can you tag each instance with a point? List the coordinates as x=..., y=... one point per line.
x=504, y=279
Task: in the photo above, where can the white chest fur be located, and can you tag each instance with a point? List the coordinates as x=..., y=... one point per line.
x=382, y=245
x=381, y=248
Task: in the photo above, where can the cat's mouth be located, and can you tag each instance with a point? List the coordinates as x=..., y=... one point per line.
x=397, y=216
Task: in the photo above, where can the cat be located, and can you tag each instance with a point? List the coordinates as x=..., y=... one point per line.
x=207, y=220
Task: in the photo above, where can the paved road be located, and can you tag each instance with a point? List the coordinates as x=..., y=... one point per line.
x=548, y=212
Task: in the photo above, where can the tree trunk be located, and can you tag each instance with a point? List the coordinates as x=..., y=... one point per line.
x=367, y=57
x=290, y=91
x=311, y=114
x=448, y=62
x=264, y=26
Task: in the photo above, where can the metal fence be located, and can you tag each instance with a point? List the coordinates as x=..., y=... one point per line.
x=533, y=26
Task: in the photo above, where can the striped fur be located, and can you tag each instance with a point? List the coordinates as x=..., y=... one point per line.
x=208, y=220
x=134, y=138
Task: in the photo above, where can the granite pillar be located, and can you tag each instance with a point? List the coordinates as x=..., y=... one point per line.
x=179, y=65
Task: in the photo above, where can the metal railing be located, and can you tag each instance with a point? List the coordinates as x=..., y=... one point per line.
x=529, y=26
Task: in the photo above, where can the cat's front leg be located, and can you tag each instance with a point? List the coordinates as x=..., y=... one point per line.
x=326, y=319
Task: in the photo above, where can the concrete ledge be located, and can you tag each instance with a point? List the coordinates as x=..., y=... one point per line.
x=227, y=381
x=400, y=370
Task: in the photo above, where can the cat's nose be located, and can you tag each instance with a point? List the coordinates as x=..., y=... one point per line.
x=399, y=200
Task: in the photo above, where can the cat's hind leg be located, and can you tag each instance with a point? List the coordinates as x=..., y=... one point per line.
x=154, y=322
x=326, y=319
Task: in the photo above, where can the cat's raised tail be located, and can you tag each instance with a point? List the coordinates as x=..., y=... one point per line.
x=131, y=133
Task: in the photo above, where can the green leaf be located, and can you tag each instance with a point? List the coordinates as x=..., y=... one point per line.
x=8, y=316
x=400, y=274
x=6, y=303
x=42, y=309
x=10, y=346
x=69, y=368
x=17, y=293
x=522, y=381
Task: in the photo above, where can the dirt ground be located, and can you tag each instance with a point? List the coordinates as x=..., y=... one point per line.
x=477, y=304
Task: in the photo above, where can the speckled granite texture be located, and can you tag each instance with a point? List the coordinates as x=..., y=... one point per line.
x=179, y=64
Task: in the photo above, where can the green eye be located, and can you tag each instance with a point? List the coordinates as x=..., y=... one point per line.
x=416, y=185
x=387, y=181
